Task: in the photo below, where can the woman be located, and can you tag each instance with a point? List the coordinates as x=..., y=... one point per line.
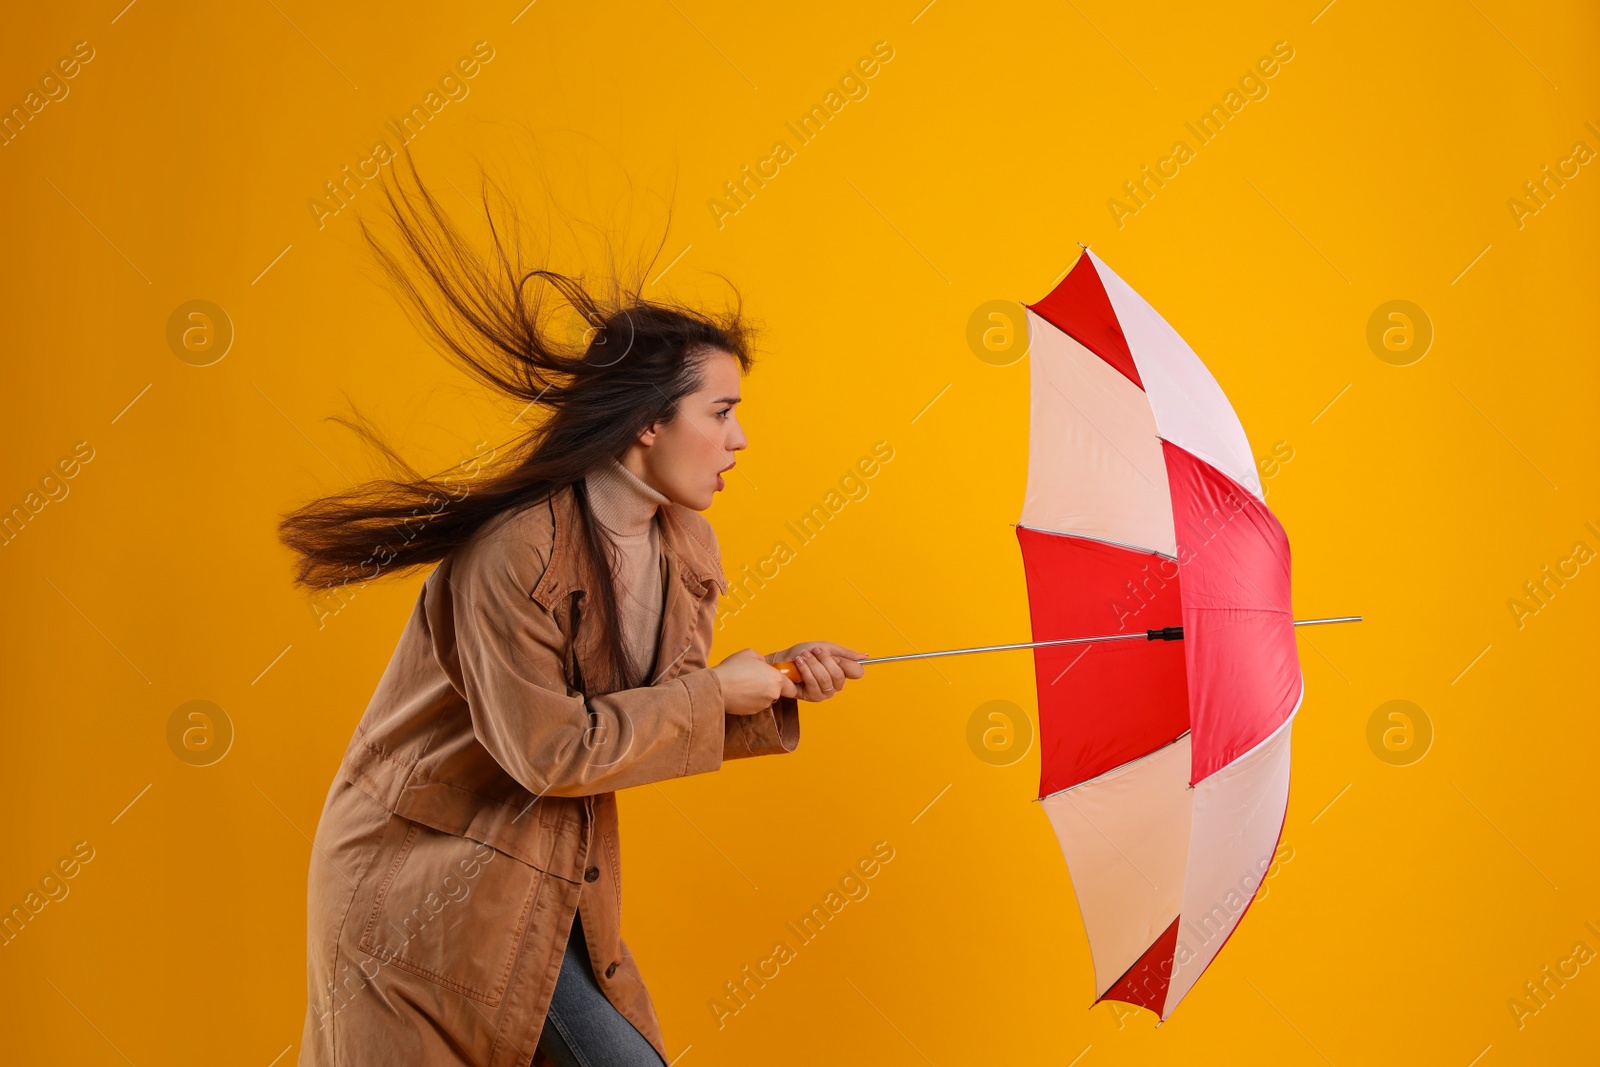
x=465, y=888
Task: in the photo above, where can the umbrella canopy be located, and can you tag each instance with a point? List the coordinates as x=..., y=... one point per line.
x=1165, y=765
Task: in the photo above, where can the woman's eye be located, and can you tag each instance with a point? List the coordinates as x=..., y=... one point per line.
x=723, y=412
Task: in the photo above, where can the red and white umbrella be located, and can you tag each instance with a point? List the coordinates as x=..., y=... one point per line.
x=1165, y=767
x=1164, y=649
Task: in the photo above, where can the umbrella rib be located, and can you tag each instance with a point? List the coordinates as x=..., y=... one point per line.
x=1144, y=549
x=1113, y=770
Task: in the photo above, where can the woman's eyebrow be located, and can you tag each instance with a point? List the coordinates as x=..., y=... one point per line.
x=726, y=400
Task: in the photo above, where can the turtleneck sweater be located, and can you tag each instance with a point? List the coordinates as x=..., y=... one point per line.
x=626, y=506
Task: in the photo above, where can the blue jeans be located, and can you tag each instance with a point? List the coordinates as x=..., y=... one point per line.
x=582, y=1028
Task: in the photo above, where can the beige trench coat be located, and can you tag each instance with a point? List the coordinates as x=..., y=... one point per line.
x=474, y=811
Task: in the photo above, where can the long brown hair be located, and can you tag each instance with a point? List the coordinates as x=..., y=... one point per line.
x=490, y=314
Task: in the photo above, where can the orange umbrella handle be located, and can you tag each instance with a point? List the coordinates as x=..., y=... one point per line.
x=789, y=671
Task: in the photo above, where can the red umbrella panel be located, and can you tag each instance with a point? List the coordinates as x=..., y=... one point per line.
x=1165, y=765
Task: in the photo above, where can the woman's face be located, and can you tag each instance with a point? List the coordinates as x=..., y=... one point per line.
x=684, y=459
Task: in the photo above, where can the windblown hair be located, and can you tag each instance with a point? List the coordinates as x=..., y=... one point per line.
x=490, y=315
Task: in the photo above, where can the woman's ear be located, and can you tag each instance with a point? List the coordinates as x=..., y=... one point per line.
x=647, y=436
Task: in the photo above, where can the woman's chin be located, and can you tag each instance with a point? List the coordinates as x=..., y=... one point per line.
x=699, y=503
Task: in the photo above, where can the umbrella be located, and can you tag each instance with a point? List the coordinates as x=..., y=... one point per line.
x=1165, y=768
x=1164, y=733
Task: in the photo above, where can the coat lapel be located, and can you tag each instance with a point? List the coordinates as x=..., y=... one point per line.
x=681, y=608
x=691, y=576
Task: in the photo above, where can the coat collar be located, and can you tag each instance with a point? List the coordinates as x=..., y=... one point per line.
x=687, y=559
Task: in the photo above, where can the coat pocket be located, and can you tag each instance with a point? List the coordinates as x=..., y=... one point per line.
x=452, y=910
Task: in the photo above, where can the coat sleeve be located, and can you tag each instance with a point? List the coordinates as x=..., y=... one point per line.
x=510, y=654
x=770, y=732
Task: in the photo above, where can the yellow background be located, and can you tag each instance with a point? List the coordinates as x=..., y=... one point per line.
x=1378, y=167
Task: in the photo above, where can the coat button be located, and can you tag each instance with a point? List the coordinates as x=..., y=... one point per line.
x=592, y=874
x=611, y=970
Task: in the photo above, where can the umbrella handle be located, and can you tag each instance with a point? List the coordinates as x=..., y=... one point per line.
x=789, y=670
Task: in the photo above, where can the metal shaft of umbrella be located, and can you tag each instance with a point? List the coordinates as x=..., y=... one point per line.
x=1166, y=633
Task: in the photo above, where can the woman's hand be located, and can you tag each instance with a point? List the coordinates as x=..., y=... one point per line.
x=750, y=683
x=823, y=667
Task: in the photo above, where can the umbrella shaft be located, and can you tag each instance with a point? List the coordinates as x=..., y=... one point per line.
x=1169, y=633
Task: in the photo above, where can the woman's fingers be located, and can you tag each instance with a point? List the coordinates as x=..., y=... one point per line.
x=824, y=677
x=850, y=668
x=808, y=677
x=845, y=658
x=835, y=672
x=823, y=667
